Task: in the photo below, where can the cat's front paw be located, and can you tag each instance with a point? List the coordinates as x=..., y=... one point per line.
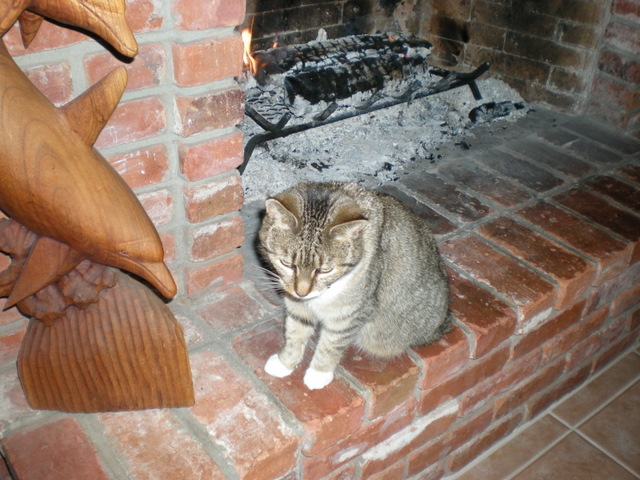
x=315, y=379
x=276, y=368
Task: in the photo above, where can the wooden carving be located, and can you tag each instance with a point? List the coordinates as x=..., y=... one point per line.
x=78, y=209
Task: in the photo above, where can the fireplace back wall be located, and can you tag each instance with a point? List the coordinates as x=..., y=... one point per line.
x=576, y=56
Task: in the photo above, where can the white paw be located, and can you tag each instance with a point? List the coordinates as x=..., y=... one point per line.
x=276, y=368
x=315, y=379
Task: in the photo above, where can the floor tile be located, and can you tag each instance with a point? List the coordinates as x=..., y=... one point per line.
x=598, y=391
x=574, y=459
x=518, y=451
x=616, y=429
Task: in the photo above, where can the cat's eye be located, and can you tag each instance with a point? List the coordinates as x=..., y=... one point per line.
x=323, y=271
x=287, y=264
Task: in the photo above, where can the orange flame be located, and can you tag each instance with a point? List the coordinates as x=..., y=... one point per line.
x=247, y=58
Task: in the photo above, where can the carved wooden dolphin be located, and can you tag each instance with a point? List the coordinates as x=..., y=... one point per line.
x=56, y=184
x=105, y=18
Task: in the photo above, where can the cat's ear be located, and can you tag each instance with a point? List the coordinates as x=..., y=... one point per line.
x=348, y=230
x=280, y=215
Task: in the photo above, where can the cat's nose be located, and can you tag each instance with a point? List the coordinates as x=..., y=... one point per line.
x=303, y=287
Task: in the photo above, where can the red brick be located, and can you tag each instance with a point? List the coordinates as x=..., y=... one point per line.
x=346, y=473
x=11, y=340
x=399, y=445
x=147, y=69
x=482, y=181
x=588, y=349
x=621, y=192
x=388, y=383
x=612, y=92
x=527, y=291
x=449, y=197
x=619, y=66
x=439, y=448
x=211, y=157
x=8, y=316
x=510, y=375
x=144, y=16
x=368, y=436
x=170, y=247
x=627, y=8
x=518, y=395
x=523, y=172
x=632, y=172
x=14, y=403
x=133, y=121
x=565, y=340
x=148, y=441
x=158, y=205
x=142, y=168
x=243, y=422
x=54, y=81
x=394, y=471
x=624, y=37
x=327, y=415
x=548, y=330
x=444, y=358
x=489, y=320
x=207, y=61
x=214, y=239
x=220, y=109
x=563, y=385
x=219, y=196
x=192, y=334
x=611, y=256
x=233, y=308
x=49, y=37
x=194, y=15
x=572, y=274
x=607, y=293
x=59, y=450
x=219, y=275
x=614, y=350
x=626, y=301
x=551, y=156
x=481, y=443
x=475, y=373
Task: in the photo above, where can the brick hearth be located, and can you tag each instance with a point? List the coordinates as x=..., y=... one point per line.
x=539, y=223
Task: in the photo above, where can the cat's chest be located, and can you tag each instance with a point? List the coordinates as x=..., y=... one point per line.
x=338, y=301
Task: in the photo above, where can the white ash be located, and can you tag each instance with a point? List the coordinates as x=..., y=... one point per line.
x=370, y=148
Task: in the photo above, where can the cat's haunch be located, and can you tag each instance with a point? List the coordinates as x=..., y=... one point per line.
x=357, y=264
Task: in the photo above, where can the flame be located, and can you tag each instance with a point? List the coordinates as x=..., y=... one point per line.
x=247, y=58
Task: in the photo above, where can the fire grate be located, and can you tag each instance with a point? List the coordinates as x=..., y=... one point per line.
x=300, y=87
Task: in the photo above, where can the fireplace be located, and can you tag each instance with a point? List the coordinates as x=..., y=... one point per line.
x=571, y=56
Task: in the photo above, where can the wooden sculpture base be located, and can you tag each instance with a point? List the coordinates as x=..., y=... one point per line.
x=97, y=340
x=125, y=352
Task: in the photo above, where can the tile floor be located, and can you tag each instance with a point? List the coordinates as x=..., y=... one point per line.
x=593, y=434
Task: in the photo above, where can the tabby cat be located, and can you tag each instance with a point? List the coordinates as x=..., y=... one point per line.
x=357, y=264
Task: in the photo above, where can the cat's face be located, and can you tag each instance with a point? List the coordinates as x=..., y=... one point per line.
x=309, y=254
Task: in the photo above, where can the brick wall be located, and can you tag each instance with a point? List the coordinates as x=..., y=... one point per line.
x=546, y=50
x=616, y=92
x=298, y=21
x=173, y=137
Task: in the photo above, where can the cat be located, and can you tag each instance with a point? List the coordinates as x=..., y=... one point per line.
x=357, y=264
